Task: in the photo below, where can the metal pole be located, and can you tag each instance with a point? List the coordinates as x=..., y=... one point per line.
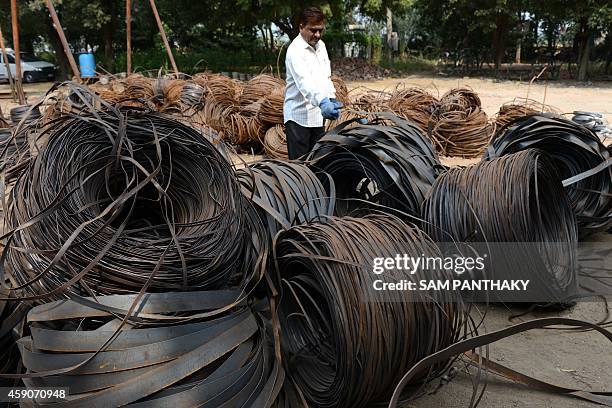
x=15, y=25
x=128, y=22
x=8, y=67
x=62, y=36
x=163, y=35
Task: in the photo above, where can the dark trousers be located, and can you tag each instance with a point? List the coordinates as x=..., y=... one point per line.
x=300, y=139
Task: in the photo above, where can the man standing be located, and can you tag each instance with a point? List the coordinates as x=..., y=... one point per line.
x=310, y=93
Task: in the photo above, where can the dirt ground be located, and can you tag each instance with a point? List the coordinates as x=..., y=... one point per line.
x=571, y=359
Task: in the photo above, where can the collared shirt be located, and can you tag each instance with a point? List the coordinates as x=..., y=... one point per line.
x=308, y=82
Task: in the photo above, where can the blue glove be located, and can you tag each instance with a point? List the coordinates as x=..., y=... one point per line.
x=329, y=109
x=336, y=103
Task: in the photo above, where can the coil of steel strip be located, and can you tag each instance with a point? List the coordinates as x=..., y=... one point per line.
x=177, y=349
x=517, y=204
x=286, y=193
x=115, y=194
x=343, y=343
x=12, y=314
x=390, y=165
x=575, y=150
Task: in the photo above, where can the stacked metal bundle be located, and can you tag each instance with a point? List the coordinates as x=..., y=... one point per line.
x=154, y=350
x=394, y=166
x=337, y=331
x=579, y=156
x=145, y=200
x=517, y=109
x=414, y=104
x=459, y=126
x=595, y=122
x=515, y=207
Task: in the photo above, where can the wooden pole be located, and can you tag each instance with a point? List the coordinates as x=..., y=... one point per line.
x=163, y=35
x=9, y=75
x=62, y=36
x=128, y=22
x=15, y=25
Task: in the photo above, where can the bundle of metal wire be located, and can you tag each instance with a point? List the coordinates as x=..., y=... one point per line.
x=192, y=96
x=342, y=92
x=117, y=198
x=259, y=87
x=271, y=111
x=336, y=330
x=460, y=99
x=390, y=165
x=575, y=150
x=26, y=113
x=11, y=316
x=167, y=95
x=286, y=193
x=460, y=132
x=414, y=104
x=275, y=143
x=13, y=149
x=138, y=87
x=519, y=108
x=239, y=129
x=372, y=101
x=595, y=122
x=221, y=89
x=517, y=198
x=175, y=349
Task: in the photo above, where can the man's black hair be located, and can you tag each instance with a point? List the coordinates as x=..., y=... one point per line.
x=313, y=14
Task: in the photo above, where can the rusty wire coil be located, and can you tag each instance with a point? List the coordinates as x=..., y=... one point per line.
x=251, y=109
x=275, y=143
x=390, y=165
x=192, y=96
x=465, y=99
x=222, y=90
x=271, y=111
x=371, y=101
x=519, y=108
x=115, y=195
x=286, y=193
x=337, y=331
x=167, y=95
x=173, y=349
x=414, y=104
x=575, y=150
x=239, y=129
x=342, y=92
x=519, y=199
x=138, y=87
x=259, y=87
x=459, y=132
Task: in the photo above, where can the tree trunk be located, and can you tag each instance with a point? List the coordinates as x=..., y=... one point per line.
x=499, y=39
x=108, y=31
x=60, y=57
x=389, y=31
x=271, y=37
x=585, y=51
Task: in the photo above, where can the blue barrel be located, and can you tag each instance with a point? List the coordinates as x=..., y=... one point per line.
x=87, y=65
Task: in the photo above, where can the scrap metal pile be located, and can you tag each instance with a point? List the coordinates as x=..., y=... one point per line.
x=145, y=269
x=249, y=114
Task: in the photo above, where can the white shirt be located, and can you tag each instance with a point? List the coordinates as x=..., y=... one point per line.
x=308, y=82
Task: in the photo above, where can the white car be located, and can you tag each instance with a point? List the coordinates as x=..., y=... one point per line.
x=32, y=68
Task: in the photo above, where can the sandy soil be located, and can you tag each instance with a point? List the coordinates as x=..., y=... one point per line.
x=572, y=359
